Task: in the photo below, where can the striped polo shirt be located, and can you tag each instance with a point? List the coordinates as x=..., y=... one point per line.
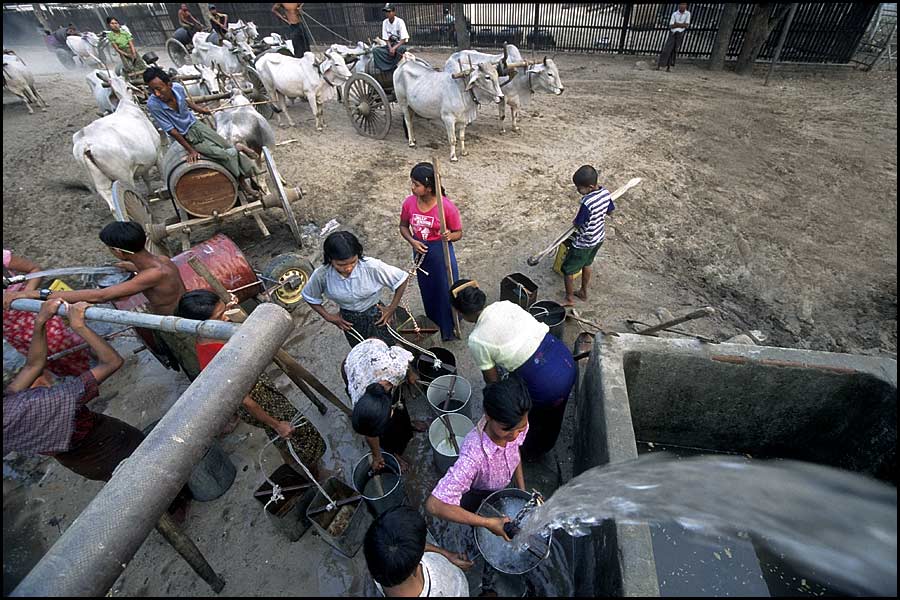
x=591, y=218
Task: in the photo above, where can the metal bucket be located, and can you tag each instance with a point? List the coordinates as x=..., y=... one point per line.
x=343, y=529
x=499, y=553
x=441, y=450
x=518, y=289
x=288, y=515
x=382, y=491
x=551, y=313
x=462, y=393
x=212, y=476
x=426, y=370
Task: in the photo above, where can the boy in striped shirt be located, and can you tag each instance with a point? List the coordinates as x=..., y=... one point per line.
x=596, y=202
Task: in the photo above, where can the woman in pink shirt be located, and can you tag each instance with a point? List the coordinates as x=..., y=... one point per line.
x=488, y=458
x=420, y=225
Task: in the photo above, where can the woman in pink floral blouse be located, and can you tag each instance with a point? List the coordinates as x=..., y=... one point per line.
x=488, y=458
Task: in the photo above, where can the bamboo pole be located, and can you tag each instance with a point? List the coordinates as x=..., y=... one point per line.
x=444, y=243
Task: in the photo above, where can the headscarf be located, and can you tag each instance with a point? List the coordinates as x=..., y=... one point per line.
x=371, y=361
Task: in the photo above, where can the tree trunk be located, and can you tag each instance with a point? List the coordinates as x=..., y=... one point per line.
x=459, y=22
x=204, y=13
x=42, y=17
x=758, y=31
x=723, y=36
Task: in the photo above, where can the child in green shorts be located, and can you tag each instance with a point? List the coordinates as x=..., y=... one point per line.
x=595, y=203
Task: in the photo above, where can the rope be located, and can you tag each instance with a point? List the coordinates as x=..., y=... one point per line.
x=276, y=489
x=307, y=15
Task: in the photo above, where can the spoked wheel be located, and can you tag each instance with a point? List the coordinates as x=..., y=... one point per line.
x=278, y=186
x=177, y=52
x=368, y=106
x=130, y=205
x=259, y=93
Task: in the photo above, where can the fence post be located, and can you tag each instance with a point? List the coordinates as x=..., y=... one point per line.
x=781, y=38
x=626, y=22
x=537, y=24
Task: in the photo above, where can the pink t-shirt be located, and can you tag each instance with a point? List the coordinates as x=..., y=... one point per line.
x=482, y=465
x=427, y=226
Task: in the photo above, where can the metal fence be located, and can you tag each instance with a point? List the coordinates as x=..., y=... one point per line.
x=821, y=32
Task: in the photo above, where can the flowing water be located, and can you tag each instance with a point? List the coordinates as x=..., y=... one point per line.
x=840, y=524
x=73, y=271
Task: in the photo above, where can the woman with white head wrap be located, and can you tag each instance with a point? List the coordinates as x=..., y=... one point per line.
x=373, y=372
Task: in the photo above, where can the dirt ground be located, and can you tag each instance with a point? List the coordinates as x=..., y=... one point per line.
x=774, y=205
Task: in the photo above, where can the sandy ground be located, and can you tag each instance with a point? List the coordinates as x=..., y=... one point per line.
x=775, y=205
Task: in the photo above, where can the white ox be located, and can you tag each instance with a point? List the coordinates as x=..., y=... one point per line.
x=518, y=89
x=20, y=81
x=86, y=47
x=224, y=56
x=105, y=97
x=287, y=77
x=243, y=127
x=119, y=146
x=207, y=84
x=243, y=32
x=438, y=95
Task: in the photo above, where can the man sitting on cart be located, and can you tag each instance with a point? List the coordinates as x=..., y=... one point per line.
x=189, y=21
x=393, y=31
x=170, y=109
x=219, y=23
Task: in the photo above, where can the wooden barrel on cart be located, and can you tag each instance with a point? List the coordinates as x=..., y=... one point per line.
x=203, y=188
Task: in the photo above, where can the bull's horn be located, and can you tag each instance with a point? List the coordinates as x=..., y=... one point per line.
x=505, y=51
x=545, y=59
x=470, y=62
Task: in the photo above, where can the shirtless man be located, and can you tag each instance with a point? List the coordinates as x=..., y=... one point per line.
x=156, y=277
x=290, y=12
x=188, y=21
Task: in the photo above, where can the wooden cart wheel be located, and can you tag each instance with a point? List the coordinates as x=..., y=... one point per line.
x=177, y=52
x=278, y=186
x=281, y=269
x=259, y=93
x=130, y=205
x=368, y=106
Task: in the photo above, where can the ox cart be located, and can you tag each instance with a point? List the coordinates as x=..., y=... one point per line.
x=368, y=95
x=203, y=193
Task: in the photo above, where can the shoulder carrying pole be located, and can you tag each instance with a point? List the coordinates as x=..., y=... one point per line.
x=444, y=243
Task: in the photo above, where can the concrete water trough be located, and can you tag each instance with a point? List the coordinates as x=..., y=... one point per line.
x=832, y=409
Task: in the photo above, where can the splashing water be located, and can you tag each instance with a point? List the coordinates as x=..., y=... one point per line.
x=839, y=523
x=68, y=271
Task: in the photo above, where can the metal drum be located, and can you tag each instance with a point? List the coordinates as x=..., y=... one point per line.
x=224, y=260
x=502, y=555
x=203, y=188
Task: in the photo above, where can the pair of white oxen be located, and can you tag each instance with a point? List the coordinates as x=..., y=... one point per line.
x=469, y=78
x=125, y=145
